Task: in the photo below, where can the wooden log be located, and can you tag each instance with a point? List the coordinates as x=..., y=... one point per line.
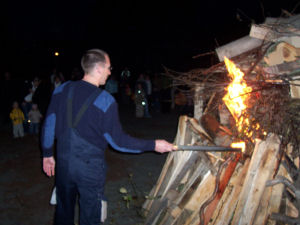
x=275, y=199
x=291, y=210
x=180, y=157
x=284, y=68
x=177, y=206
x=262, y=32
x=284, y=27
x=159, y=189
x=202, y=193
x=295, y=89
x=226, y=175
x=196, y=126
x=225, y=209
x=261, y=168
x=174, y=170
x=198, y=102
x=292, y=20
x=283, y=52
x=153, y=193
x=177, y=212
x=238, y=47
x=178, y=215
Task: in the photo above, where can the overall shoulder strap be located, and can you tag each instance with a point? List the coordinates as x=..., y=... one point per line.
x=69, y=106
x=85, y=106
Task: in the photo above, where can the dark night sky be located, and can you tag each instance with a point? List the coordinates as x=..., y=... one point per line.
x=140, y=34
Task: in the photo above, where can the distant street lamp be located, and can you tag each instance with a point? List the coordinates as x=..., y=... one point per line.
x=56, y=53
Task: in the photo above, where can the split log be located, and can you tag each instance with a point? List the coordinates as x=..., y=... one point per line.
x=177, y=167
x=238, y=47
x=198, y=102
x=202, y=193
x=276, y=28
x=295, y=89
x=197, y=127
x=283, y=68
x=177, y=210
x=293, y=21
x=270, y=202
x=225, y=209
x=262, y=168
x=174, y=163
x=292, y=192
x=283, y=52
x=220, y=188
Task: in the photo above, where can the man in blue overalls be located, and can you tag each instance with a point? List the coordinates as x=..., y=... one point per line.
x=84, y=120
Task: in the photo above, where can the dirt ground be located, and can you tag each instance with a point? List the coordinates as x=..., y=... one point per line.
x=25, y=190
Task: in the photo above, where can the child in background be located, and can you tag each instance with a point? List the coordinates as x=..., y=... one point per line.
x=17, y=118
x=34, y=117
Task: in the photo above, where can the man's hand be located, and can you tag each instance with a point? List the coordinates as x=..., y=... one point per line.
x=163, y=146
x=49, y=165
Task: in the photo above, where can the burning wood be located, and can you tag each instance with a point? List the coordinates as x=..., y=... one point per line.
x=262, y=94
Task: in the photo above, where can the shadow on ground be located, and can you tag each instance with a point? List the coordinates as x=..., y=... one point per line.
x=25, y=191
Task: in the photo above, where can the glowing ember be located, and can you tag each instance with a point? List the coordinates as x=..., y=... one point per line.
x=240, y=145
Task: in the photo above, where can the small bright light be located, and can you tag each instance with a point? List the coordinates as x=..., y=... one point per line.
x=139, y=91
x=56, y=53
x=29, y=121
x=241, y=145
x=143, y=103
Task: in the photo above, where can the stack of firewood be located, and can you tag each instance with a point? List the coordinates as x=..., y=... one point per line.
x=203, y=187
x=261, y=185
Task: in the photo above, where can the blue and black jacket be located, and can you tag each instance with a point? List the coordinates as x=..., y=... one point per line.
x=99, y=125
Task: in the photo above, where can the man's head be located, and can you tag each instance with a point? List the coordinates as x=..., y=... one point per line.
x=96, y=65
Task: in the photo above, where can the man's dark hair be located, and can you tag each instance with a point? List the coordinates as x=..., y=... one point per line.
x=91, y=58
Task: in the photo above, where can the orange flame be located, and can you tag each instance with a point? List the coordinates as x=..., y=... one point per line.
x=236, y=100
x=237, y=90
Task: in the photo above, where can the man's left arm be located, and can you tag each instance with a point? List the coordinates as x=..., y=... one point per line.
x=120, y=140
x=124, y=142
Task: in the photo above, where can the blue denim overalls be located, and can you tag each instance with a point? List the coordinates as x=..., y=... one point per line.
x=81, y=169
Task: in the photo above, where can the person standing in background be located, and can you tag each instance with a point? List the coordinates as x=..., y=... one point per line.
x=17, y=118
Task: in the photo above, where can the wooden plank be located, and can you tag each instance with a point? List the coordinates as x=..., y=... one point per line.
x=181, y=213
x=270, y=201
x=261, y=168
x=224, y=179
x=198, y=102
x=153, y=193
x=202, y=193
x=180, y=157
x=168, y=170
x=225, y=209
x=267, y=32
x=291, y=210
x=295, y=89
x=261, y=216
x=174, y=170
x=179, y=203
x=199, y=129
x=238, y=47
x=276, y=196
x=262, y=32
